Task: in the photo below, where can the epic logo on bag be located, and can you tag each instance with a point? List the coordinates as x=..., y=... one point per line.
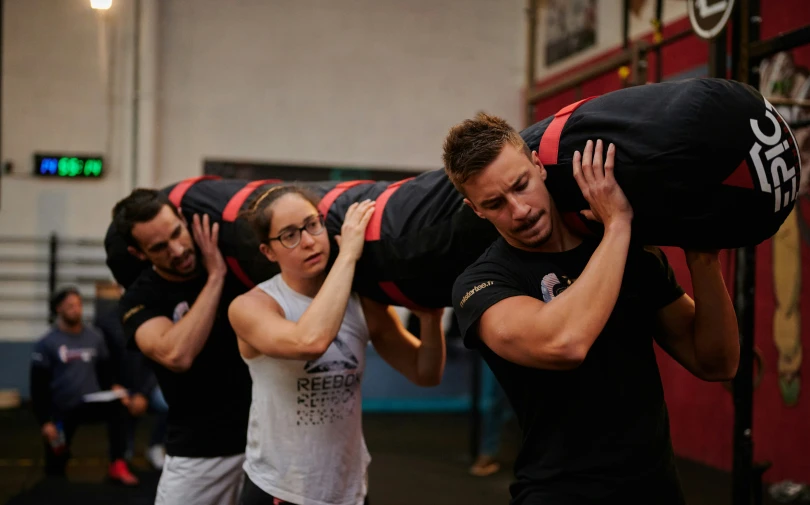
x=775, y=158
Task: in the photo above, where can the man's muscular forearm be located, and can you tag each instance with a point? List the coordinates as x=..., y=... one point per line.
x=179, y=346
x=716, y=336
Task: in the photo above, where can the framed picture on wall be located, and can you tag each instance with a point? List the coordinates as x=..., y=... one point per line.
x=570, y=28
x=231, y=169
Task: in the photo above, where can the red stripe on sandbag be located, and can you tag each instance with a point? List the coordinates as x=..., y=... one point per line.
x=375, y=225
x=231, y=211
x=240, y=274
x=397, y=296
x=550, y=141
x=229, y=215
x=179, y=191
x=329, y=198
x=373, y=232
x=740, y=177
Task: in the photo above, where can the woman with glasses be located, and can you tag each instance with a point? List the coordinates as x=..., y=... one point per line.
x=303, y=335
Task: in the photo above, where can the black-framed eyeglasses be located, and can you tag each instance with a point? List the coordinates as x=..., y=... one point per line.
x=291, y=237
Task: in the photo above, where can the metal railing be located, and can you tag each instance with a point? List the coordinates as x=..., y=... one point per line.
x=32, y=268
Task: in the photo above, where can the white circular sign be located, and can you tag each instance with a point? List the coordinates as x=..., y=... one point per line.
x=709, y=17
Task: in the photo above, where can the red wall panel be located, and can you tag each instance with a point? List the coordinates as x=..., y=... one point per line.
x=702, y=414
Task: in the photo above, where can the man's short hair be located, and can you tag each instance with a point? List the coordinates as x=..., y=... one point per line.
x=59, y=296
x=141, y=206
x=473, y=144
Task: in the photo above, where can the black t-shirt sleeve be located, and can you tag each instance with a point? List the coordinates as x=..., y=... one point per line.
x=662, y=286
x=136, y=310
x=477, y=289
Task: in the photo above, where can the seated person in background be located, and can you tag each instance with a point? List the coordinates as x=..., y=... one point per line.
x=69, y=362
x=304, y=335
x=133, y=373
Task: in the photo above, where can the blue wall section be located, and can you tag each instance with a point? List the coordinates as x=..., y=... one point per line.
x=15, y=360
x=386, y=390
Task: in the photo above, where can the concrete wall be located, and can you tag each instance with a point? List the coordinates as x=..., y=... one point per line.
x=352, y=83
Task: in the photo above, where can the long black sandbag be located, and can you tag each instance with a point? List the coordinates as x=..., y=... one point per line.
x=688, y=158
x=705, y=163
x=425, y=235
x=421, y=238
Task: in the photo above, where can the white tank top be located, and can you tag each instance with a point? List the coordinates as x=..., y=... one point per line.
x=305, y=440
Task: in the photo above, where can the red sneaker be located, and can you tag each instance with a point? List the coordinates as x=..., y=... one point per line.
x=120, y=472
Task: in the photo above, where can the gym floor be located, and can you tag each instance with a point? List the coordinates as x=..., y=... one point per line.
x=415, y=459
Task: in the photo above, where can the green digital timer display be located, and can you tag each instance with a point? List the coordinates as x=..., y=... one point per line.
x=68, y=166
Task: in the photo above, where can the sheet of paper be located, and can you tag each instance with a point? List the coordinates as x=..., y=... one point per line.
x=105, y=396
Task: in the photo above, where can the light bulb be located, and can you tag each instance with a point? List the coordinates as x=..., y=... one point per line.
x=101, y=4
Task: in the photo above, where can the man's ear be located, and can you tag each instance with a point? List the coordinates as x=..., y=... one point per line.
x=539, y=165
x=472, y=206
x=137, y=253
x=182, y=216
x=268, y=252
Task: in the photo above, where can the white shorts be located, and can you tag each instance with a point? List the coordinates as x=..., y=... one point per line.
x=201, y=481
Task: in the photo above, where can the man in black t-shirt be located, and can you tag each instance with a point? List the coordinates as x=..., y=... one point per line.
x=176, y=314
x=567, y=324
